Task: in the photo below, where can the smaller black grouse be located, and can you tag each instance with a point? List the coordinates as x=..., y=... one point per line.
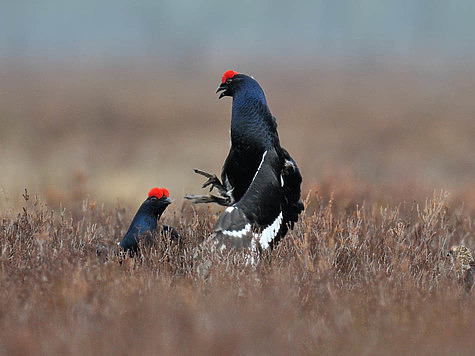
x=145, y=221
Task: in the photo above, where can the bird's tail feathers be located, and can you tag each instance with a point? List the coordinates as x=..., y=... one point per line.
x=233, y=229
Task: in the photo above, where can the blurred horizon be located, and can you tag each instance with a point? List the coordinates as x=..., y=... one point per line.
x=107, y=99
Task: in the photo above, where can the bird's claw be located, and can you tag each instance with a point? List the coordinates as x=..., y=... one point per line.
x=212, y=181
x=200, y=199
x=203, y=173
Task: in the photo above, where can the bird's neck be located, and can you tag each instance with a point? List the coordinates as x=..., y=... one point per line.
x=248, y=106
x=147, y=217
x=145, y=221
x=249, y=119
x=252, y=92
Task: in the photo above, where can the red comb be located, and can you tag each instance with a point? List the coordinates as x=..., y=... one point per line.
x=227, y=75
x=155, y=192
x=158, y=192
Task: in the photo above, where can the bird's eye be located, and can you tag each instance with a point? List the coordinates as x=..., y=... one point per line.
x=229, y=80
x=153, y=199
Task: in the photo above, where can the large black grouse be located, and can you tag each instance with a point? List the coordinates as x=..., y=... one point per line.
x=260, y=181
x=145, y=224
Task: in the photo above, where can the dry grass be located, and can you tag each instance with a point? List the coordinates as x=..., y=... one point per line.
x=370, y=280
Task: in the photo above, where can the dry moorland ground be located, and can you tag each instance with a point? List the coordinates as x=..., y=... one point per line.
x=363, y=272
x=370, y=279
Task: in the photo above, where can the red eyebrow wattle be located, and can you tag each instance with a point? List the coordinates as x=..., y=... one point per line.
x=227, y=75
x=156, y=192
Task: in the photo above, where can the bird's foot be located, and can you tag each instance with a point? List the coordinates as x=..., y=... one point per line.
x=199, y=199
x=212, y=181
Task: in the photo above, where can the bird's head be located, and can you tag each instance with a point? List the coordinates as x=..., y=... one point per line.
x=454, y=251
x=229, y=83
x=451, y=251
x=233, y=83
x=157, y=201
x=461, y=255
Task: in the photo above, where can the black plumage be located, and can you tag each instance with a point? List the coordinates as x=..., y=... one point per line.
x=144, y=225
x=260, y=182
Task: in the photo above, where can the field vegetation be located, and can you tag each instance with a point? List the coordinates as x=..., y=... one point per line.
x=388, y=166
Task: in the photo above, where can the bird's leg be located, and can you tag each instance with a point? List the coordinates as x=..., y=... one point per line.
x=213, y=181
x=223, y=199
x=198, y=199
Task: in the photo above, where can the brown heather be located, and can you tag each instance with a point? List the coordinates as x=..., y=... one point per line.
x=368, y=279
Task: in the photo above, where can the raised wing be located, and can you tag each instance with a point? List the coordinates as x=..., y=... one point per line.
x=258, y=214
x=238, y=170
x=292, y=205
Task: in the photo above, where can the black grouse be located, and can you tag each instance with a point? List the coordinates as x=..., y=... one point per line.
x=145, y=224
x=260, y=182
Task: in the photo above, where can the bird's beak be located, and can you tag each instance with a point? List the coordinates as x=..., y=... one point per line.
x=167, y=201
x=222, y=87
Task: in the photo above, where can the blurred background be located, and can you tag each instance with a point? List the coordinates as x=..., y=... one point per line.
x=107, y=99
